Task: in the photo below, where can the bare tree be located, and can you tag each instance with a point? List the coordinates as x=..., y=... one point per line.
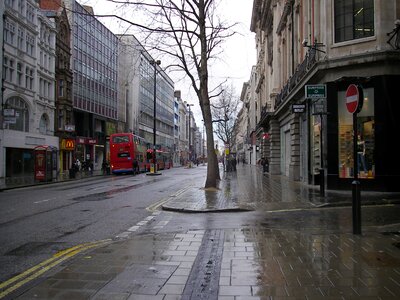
x=191, y=33
x=225, y=111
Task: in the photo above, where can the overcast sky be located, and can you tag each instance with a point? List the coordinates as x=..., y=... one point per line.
x=235, y=62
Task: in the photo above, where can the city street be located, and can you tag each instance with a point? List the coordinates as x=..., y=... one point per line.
x=36, y=222
x=164, y=237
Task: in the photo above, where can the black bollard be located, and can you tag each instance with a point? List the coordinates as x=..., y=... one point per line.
x=356, y=192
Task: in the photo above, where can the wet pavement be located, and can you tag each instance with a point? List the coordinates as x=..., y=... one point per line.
x=249, y=189
x=255, y=237
x=24, y=181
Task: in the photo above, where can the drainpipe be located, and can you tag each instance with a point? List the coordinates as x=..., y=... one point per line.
x=312, y=23
x=293, y=37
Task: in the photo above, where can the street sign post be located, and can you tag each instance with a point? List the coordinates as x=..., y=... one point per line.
x=315, y=91
x=354, y=99
x=354, y=102
x=298, y=108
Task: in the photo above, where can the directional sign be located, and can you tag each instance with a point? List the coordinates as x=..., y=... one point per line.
x=319, y=108
x=353, y=99
x=315, y=91
x=298, y=108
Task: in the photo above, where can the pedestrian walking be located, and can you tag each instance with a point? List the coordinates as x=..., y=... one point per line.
x=78, y=165
x=135, y=167
x=90, y=168
x=265, y=165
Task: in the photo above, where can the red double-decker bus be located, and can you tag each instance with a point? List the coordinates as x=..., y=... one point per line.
x=124, y=149
x=163, y=159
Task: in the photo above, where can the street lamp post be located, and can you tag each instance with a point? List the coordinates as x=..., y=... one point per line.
x=189, y=105
x=154, y=170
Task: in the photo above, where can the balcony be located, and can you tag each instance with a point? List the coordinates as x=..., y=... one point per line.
x=302, y=69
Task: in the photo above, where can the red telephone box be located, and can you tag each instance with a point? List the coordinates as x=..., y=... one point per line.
x=45, y=163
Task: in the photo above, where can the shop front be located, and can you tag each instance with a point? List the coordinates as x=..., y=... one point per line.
x=85, y=149
x=67, y=148
x=377, y=128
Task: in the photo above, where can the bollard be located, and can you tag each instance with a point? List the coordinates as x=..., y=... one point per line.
x=356, y=192
x=322, y=182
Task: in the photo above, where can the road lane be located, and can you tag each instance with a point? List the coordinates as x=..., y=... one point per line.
x=37, y=222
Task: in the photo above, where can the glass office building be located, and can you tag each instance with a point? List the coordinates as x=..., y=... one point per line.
x=95, y=63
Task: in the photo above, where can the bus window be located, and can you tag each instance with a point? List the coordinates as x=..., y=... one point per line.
x=120, y=139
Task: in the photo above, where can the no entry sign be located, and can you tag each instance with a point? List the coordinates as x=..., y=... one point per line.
x=354, y=99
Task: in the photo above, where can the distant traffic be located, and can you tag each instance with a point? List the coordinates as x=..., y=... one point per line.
x=130, y=153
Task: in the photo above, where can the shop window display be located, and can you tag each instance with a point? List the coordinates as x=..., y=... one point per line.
x=365, y=138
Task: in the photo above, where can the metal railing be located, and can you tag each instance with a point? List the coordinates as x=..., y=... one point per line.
x=301, y=70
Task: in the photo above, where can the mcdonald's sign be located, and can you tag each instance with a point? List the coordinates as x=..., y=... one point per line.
x=67, y=144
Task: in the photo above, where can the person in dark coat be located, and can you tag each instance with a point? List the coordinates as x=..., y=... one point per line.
x=135, y=167
x=265, y=165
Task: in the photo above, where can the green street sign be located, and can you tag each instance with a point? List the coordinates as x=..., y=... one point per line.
x=315, y=91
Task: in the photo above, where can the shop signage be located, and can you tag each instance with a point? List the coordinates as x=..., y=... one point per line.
x=354, y=99
x=298, y=108
x=67, y=144
x=10, y=120
x=88, y=141
x=69, y=128
x=315, y=91
x=9, y=112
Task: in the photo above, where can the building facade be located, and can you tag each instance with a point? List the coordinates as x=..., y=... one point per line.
x=64, y=124
x=139, y=73
x=94, y=64
x=28, y=102
x=331, y=44
x=178, y=142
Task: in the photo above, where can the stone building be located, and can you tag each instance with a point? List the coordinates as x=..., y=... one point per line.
x=28, y=99
x=328, y=45
x=64, y=124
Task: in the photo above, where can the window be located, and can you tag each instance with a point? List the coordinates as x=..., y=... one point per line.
x=21, y=114
x=8, y=69
x=120, y=139
x=29, y=78
x=354, y=19
x=61, y=88
x=43, y=124
x=19, y=74
x=10, y=3
x=60, y=119
x=366, y=137
x=20, y=40
x=9, y=32
x=30, y=13
x=21, y=6
x=30, y=44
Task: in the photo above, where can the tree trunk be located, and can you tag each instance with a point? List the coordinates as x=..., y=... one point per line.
x=212, y=164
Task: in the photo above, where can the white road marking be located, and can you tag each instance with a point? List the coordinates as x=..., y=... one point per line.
x=44, y=200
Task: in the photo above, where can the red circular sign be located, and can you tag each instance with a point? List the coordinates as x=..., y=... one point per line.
x=352, y=98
